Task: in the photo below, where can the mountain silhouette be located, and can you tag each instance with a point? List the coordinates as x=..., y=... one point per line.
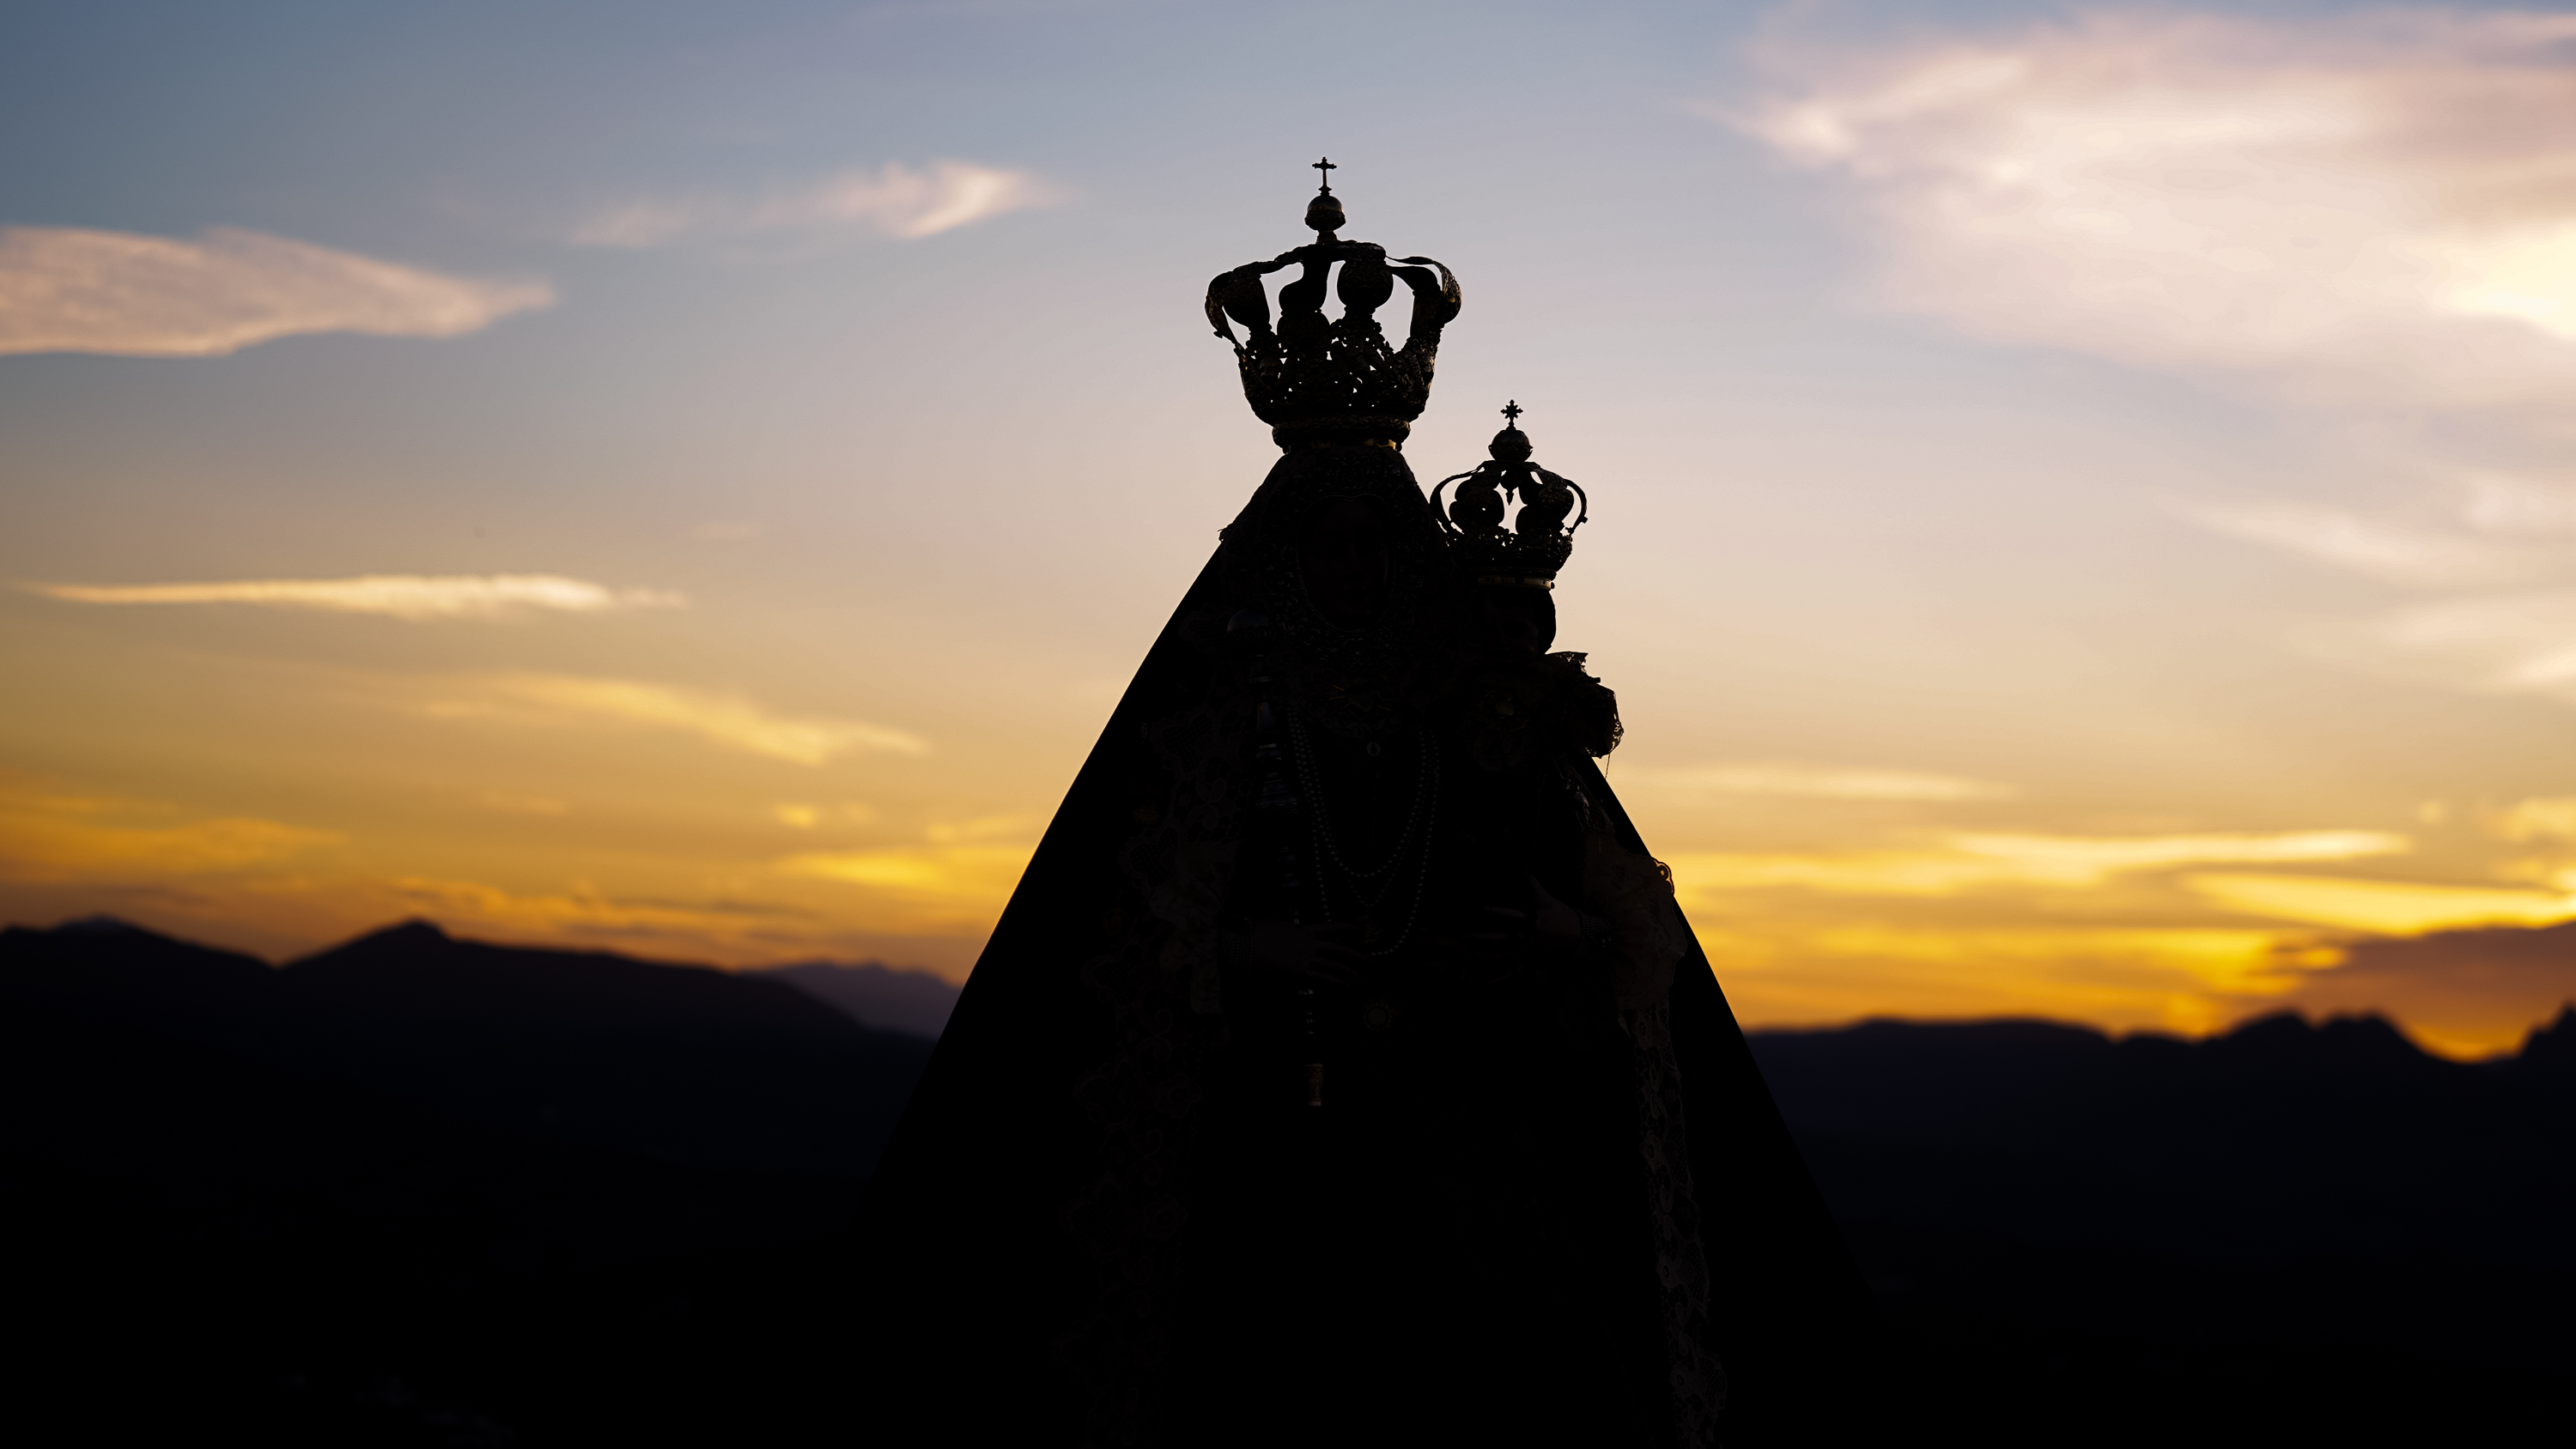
x=2283, y=1231
x=2546, y=1065
x=422, y=1190
x=2453, y=980
x=885, y=997
x=679, y=1063
x=2277, y=1139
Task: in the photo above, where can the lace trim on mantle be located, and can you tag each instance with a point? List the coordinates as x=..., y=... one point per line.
x=1159, y=981
x=1697, y=1381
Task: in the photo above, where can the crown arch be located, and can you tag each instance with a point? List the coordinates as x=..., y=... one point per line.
x=1320, y=379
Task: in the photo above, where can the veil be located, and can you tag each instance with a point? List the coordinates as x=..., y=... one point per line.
x=1025, y=1236
x=1023, y=1256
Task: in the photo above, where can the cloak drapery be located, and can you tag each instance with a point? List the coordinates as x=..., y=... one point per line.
x=1026, y=1247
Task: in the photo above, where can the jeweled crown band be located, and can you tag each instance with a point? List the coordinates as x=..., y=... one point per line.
x=1298, y=444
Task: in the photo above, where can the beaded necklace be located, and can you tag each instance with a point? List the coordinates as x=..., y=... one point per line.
x=1424, y=811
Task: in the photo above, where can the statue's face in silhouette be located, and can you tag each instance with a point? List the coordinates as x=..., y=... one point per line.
x=1342, y=556
x=1516, y=621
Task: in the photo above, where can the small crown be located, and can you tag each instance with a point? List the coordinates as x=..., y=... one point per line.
x=1319, y=380
x=1538, y=543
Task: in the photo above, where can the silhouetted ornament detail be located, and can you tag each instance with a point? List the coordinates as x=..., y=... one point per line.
x=1529, y=553
x=1319, y=380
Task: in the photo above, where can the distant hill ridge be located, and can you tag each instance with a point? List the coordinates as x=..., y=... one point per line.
x=739, y=1069
x=888, y=998
x=603, y=1191
x=2286, y=1182
x=1890, y=1071
x=417, y=1190
x=2277, y=1139
x=683, y=1064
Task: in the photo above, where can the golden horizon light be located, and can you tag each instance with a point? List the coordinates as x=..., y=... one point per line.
x=2082, y=516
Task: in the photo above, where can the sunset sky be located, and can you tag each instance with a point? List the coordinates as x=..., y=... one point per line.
x=2084, y=497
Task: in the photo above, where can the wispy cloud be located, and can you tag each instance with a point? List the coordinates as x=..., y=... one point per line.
x=982, y=873
x=2522, y=643
x=2544, y=818
x=1988, y=861
x=2372, y=205
x=2519, y=506
x=2487, y=644
x=402, y=596
x=69, y=290
x=2389, y=907
x=930, y=887
x=52, y=837
x=893, y=201
x=2384, y=549
x=2360, y=212
x=725, y=719
x=2079, y=859
x=583, y=911
x=960, y=877
x=1815, y=782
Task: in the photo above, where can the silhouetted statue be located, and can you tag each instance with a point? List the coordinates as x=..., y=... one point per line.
x=1342, y=1070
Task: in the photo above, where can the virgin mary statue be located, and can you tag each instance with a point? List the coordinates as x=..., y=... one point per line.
x=1342, y=1071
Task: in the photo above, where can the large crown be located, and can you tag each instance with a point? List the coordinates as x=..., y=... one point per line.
x=1538, y=543
x=1318, y=380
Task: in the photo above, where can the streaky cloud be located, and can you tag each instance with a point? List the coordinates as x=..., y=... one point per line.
x=2388, y=906
x=71, y=290
x=2364, y=214
x=2080, y=859
x=2519, y=643
x=979, y=876
x=46, y=836
x=729, y=720
x=2540, y=818
x=893, y=201
x=960, y=877
x=400, y=596
x=2388, y=551
x=2365, y=207
x=579, y=913
x=1816, y=782
x=2509, y=505
x=1987, y=861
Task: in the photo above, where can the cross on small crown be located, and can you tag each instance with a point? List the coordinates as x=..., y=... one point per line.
x=1511, y=414
x=1327, y=167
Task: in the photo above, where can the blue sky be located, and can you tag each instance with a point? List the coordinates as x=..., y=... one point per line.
x=2081, y=523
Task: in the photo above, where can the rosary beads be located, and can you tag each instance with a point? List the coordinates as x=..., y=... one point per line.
x=1424, y=811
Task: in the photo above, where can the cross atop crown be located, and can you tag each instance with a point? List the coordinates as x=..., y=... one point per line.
x=1327, y=167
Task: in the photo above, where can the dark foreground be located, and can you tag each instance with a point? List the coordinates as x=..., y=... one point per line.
x=2290, y=1234
x=420, y=1191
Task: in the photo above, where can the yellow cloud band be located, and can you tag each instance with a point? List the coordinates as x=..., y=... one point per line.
x=401, y=596
x=2390, y=907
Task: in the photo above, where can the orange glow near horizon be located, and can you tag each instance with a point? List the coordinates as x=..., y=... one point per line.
x=2083, y=524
